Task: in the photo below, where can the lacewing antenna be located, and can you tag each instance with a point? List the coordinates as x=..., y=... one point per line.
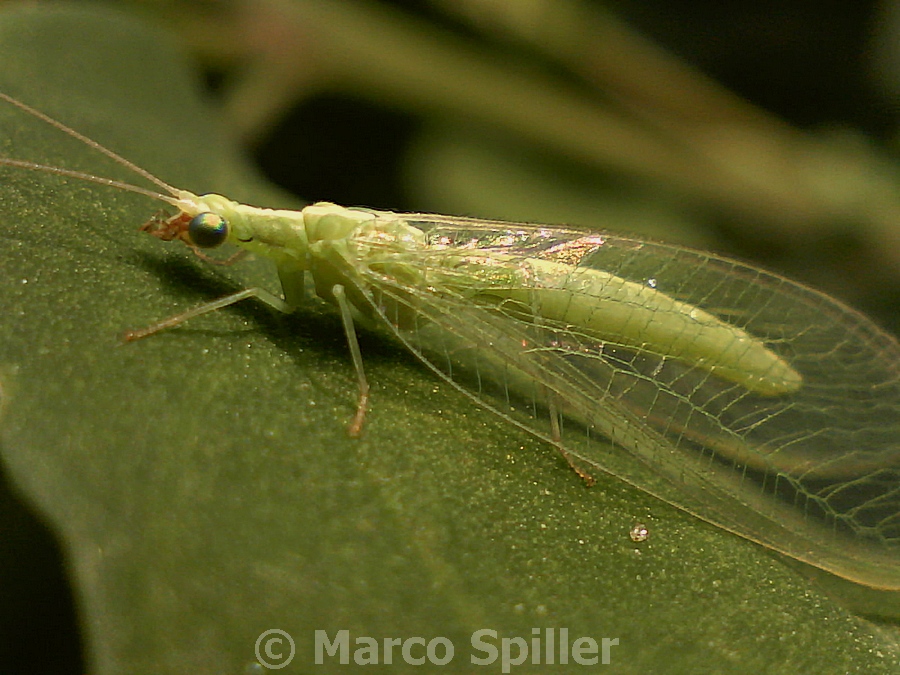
x=80, y=175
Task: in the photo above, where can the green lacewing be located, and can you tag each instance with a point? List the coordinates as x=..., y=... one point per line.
x=753, y=402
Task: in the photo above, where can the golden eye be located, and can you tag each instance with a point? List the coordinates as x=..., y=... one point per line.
x=208, y=230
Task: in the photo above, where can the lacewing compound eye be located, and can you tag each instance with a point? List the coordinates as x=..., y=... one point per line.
x=208, y=230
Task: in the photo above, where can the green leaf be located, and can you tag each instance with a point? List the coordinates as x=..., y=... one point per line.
x=202, y=480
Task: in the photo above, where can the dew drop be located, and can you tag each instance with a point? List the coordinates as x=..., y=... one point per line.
x=639, y=533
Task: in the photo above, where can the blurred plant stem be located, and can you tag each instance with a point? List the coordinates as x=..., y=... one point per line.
x=654, y=118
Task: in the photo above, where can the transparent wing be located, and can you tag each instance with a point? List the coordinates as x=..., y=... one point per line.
x=814, y=474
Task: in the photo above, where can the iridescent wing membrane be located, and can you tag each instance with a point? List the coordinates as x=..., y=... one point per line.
x=811, y=469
